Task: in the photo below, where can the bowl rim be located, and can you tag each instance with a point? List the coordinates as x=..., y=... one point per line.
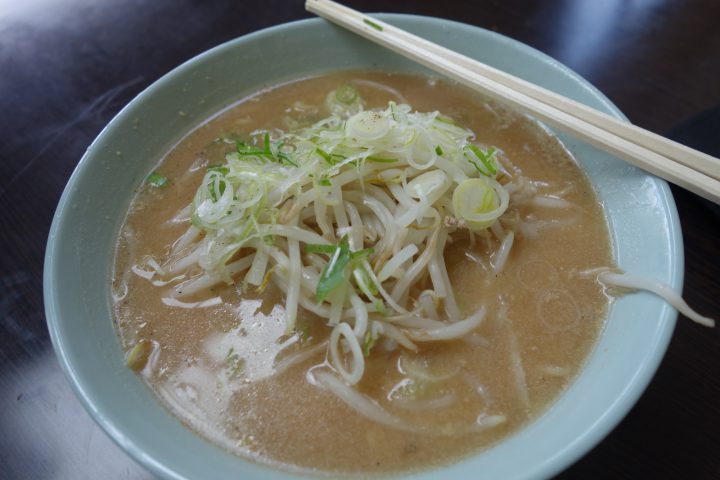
x=595, y=433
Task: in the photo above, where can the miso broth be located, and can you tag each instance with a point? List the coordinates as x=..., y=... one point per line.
x=224, y=363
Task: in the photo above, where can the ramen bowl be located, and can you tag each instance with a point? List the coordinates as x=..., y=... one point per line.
x=639, y=209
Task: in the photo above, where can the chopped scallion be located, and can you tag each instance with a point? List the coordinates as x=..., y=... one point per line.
x=380, y=306
x=381, y=160
x=234, y=363
x=360, y=254
x=285, y=158
x=215, y=195
x=486, y=158
x=218, y=168
x=316, y=248
x=157, y=180
x=266, y=143
x=325, y=156
x=334, y=272
x=304, y=332
x=346, y=94
x=444, y=119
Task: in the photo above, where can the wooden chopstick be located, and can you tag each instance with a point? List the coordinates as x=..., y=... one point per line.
x=676, y=163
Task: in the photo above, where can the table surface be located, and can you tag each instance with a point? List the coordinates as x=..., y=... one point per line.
x=69, y=66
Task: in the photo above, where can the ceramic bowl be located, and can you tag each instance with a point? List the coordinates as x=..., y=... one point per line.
x=640, y=212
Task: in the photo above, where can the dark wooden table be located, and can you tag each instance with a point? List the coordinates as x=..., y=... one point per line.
x=66, y=67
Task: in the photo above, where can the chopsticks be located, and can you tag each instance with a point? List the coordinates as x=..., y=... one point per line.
x=676, y=163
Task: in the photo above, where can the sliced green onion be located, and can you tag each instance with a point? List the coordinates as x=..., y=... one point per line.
x=285, y=158
x=334, y=272
x=346, y=94
x=304, y=332
x=380, y=306
x=479, y=202
x=157, y=180
x=254, y=152
x=360, y=254
x=234, y=363
x=245, y=150
x=439, y=150
x=486, y=158
x=367, y=125
x=215, y=196
x=393, y=110
x=422, y=186
x=325, y=156
x=223, y=170
x=368, y=343
x=444, y=119
x=381, y=160
x=344, y=101
x=317, y=248
x=266, y=143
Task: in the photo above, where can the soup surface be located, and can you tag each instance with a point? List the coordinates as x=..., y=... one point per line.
x=224, y=364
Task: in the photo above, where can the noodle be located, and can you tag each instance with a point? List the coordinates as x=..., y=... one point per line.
x=661, y=290
x=359, y=402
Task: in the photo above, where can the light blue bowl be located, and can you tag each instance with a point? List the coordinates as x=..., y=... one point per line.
x=640, y=211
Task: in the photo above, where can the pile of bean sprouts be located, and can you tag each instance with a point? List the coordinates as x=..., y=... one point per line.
x=349, y=217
